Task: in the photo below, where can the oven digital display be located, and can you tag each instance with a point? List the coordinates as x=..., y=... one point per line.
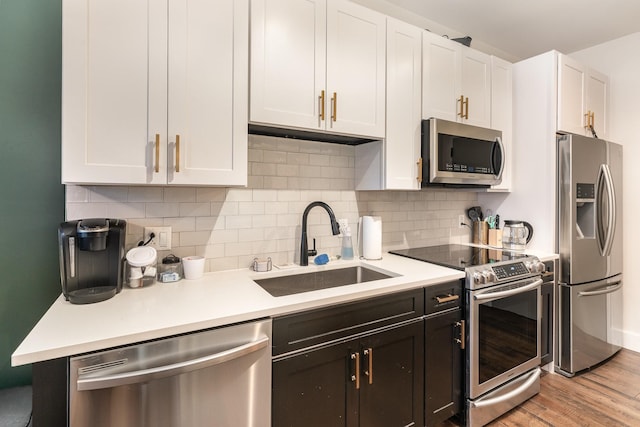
x=510, y=271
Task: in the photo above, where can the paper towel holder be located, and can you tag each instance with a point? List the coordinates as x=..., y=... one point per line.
x=370, y=238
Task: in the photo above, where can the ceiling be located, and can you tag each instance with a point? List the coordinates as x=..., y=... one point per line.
x=526, y=28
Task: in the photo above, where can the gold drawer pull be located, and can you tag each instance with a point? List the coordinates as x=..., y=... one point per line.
x=447, y=298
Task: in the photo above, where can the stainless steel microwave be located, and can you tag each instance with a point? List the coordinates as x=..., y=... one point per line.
x=460, y=155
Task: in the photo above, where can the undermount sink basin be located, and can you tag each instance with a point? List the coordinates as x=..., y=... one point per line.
x=316, y=280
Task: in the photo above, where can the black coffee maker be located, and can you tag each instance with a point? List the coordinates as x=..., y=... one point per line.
x=91, y=259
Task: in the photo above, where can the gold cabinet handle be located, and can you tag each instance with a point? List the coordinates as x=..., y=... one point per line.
x=593, y=119
x=447, y=298
x=177, y=153
x=322, y=105
x=356, y=378
x=461, y=101
x=157, y=165
x=334, y=106
x=587, y=119
x=368, y=352
x=419, y=163
x=466, y=108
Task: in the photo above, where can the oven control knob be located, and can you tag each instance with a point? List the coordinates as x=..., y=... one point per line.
x=479, y=278
x=489, y=276
x=535, y=266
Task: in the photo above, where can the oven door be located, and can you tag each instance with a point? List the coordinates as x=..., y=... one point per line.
x=504, y=337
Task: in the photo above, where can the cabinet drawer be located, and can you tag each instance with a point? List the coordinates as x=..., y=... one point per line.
x=443, y=296
x=297, y=331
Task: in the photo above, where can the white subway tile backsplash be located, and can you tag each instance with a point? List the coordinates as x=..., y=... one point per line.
x=195, y=209
x=145, y=194
x=231, y=226
x=162, y=210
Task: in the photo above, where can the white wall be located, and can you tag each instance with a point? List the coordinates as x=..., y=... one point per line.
x=620, y=60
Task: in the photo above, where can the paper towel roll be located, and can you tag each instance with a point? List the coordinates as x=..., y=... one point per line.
x=371, y=237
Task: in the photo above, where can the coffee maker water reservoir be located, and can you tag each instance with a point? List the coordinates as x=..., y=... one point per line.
x=91, y=259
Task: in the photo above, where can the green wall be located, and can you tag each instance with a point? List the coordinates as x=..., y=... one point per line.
x=31, y=196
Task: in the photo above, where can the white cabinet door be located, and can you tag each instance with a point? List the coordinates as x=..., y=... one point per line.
x=318, y=65
x=355, y=69
x=456, y=82
x=404, y=112
x=288, y=62
x=441, y=77
x=208, y=74
x=114, y=96
x=166, y=69
x=502, y=113
x=571, y=95
x=475, y=86
x=582, y=98
x=597, y=102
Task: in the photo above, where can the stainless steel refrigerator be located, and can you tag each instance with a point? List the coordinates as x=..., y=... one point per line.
x=590, y=247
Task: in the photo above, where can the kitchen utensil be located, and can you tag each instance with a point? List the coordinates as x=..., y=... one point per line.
x=516, y=234
x=475, y=213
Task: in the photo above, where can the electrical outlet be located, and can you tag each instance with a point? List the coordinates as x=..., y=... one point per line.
x=461, y=222
x=162, y=239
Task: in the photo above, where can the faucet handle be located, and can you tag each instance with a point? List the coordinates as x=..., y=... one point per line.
x=312, y=252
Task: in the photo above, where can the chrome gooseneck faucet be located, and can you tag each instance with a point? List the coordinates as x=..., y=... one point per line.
x=304, y=247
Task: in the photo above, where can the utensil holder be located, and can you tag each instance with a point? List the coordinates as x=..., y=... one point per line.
x=480, y=232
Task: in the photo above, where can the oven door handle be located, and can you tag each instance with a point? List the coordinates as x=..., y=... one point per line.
x=505, y=397
x=510, y=292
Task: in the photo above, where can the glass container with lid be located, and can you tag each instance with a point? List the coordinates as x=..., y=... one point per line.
x=141, y=267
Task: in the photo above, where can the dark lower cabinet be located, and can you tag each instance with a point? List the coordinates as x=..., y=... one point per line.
x=443, y=366
x=443, y=352
x=372, y=381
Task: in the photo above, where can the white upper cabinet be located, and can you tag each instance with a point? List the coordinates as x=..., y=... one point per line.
x=318, y=65
x=404, y=108
x=582, y=98
x=392, y=164
x=502, y=113
x=456, y=82
x=159, y=98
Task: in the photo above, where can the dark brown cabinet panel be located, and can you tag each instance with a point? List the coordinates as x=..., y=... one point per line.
x=443, y=366
x=373, y=381
x=313, y=389
x=391, y=391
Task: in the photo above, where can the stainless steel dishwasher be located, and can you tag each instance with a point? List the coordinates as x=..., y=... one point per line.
x=219, y=377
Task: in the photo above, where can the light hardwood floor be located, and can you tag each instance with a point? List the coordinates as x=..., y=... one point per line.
x=607, y=395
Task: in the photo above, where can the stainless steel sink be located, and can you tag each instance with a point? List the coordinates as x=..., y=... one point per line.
x=316, y=280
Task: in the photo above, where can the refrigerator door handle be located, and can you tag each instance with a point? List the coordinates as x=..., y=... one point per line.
x=609, y=289
x=604, y=178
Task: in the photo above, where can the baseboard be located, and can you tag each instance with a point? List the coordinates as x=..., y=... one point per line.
x=631, y=340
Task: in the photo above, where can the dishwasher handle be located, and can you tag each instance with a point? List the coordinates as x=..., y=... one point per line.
x=145, y=375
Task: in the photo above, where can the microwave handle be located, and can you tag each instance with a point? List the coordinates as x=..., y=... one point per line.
x=498, y=143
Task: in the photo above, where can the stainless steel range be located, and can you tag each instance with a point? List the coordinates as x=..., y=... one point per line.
x=503, y=310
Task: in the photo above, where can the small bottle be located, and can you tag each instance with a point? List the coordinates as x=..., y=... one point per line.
x=347, y=244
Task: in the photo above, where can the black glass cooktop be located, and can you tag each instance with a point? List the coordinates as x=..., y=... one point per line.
x=458, y=256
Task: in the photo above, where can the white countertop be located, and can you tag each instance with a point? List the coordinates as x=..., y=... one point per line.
x=216, y=299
